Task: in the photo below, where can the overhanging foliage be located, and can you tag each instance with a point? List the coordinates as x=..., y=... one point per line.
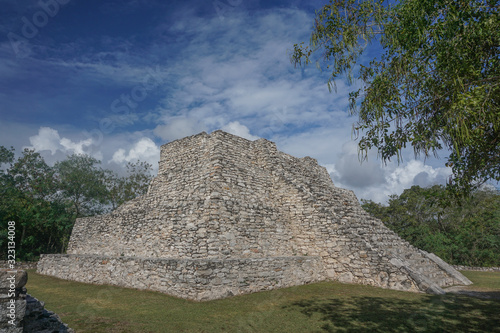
x=437, y=85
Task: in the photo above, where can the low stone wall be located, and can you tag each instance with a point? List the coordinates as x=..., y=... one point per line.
x=479, y=269
x=195, y=279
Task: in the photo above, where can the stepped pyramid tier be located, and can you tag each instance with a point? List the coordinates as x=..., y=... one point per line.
x=227, y=216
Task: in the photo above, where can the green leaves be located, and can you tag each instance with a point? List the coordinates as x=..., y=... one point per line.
x=134, y=184
x=465, y=234
x=44, y=201
x=437, y=84
x=29, y=196
x=6, y=155
x=83, y=184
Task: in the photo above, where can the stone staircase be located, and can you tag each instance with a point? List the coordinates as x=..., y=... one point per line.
x=429, y=271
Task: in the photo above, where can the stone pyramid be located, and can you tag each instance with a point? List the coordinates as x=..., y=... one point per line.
x=228, y=216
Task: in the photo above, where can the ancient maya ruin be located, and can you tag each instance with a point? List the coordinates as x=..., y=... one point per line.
x=228, y=216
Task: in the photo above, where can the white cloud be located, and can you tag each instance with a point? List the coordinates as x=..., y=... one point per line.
x=119, y=149
x=355, y=173
x=322, y=143
x=178, y=127
x=415, y=172
x=46, y=139
x=143, y=150
x=77, y=147
x=375, y=181
x=49, y=139
x=236, y=128
x=225, y=74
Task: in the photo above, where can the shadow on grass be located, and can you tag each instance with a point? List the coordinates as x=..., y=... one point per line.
x=448, y=313
x=479, y=294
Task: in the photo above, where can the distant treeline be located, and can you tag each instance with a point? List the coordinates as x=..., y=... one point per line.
x=461, y=233
x=45, y=201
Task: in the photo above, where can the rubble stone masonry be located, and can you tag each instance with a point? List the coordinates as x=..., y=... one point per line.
x=228, y=216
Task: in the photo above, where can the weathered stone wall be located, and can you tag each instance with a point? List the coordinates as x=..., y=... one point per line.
x=218, y=196
x=197, y=279
x=217, y=207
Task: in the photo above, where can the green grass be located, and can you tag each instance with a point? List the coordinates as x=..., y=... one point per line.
x=319, y=307
x=483, y=280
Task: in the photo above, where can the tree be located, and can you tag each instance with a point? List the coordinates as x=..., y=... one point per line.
x=29, y=196
x=45, y=201
x=134, y=184
x=437, y=84
x=466, y=234
x=83, y=183
x=6, y=156
x=138, y=178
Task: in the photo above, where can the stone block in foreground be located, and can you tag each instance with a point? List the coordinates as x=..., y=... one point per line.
x=20, y=312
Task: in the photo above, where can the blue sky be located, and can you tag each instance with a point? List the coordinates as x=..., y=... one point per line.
x=117, y=79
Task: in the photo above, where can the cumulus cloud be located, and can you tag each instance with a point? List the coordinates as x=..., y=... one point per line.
x=236, y=128
x=178, y=127
x=355, y=173
x=376, y=181
x=122, y=148
x=323, y=143
x=144, y=150
x=415, y=172
x=49, y=139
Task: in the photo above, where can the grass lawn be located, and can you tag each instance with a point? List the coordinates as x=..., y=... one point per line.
x=483, y=280
x=319, y=307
